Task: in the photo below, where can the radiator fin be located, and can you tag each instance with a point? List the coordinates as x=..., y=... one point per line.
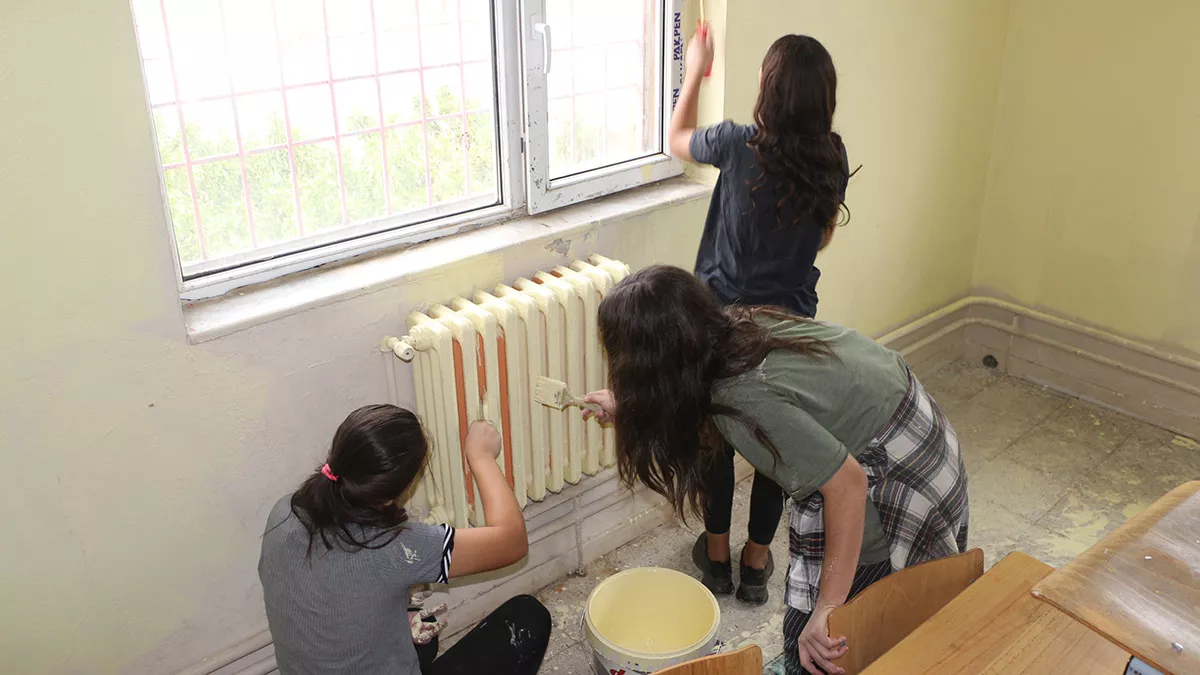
x=481, y=357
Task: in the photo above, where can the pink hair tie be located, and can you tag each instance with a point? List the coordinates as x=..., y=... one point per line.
x=328, y=472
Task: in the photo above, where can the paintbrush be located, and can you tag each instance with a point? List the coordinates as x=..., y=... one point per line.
x=554, y=394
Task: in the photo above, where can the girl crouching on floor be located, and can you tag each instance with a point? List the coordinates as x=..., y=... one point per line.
x=340, y=556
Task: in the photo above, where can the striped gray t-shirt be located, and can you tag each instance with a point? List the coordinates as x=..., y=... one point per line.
x=346, y=611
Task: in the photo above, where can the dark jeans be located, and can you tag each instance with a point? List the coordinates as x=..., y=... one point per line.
x=795, y=620
x=510, y=641
x=766, y=501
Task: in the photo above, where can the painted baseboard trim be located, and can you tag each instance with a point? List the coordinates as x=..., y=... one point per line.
x=588, y=520
x=1140, y=380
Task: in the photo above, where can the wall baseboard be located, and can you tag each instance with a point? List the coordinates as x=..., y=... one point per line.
x=1151, y=384
x=585, y=521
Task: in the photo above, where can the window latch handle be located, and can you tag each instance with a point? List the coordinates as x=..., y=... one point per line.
x=543, y=29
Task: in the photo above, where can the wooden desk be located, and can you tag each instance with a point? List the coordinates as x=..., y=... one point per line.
x=1140, y=585
x=996, y=626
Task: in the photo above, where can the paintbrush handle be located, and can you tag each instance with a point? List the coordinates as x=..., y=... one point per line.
x=575, y=400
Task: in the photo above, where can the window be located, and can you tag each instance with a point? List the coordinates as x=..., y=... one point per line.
x=290, y=126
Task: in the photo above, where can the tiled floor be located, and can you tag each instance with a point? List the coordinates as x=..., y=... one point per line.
x=1049, y=476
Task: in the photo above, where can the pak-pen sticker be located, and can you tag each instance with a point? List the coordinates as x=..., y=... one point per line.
x=676, y=56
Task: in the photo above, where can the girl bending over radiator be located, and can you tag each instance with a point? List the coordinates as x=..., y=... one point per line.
x=871, y=464
x=340, y=556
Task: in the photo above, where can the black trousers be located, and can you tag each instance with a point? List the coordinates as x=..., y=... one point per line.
x=795, y=620
x=766, y=501
x=510, y=641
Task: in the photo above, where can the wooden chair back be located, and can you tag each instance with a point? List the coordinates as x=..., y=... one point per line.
x=745, y=661
x=888, y=610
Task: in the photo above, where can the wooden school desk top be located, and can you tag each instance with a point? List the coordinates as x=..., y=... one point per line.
x=997, y=626
x=1140, y=585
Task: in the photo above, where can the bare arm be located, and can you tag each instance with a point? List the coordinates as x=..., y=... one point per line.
x=845, y=496
x=683, y=119
x=503, y=541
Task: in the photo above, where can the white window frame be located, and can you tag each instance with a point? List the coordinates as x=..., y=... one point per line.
x=543, y=193
x=523, y=147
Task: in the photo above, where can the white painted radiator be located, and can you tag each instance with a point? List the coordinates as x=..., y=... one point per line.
x=491, y=349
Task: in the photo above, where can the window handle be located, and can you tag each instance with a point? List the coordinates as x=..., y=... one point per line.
x=543, y=29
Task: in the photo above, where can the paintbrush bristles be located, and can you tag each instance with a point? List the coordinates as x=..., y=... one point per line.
x=551, y=393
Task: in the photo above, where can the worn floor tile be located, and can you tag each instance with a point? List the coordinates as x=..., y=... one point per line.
x=565, y=600
x=1021, y=398
x=984, y=432
x=1020, y=489
x=1148, y=465
x=999, y=532
x=1065, y=460
x=1092, y=424
x=957, y=382
x=574, y=660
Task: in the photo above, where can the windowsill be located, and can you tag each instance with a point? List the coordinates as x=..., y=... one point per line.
x=254, y=305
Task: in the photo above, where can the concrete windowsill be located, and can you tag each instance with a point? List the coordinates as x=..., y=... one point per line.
x=253, y=305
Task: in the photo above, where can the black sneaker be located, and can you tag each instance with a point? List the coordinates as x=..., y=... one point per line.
x=753, y=589
x=717, y=576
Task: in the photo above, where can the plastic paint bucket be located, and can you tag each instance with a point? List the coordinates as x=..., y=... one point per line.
x=641, y=620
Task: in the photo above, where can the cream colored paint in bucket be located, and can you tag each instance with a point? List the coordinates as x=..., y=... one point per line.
x=641, y=620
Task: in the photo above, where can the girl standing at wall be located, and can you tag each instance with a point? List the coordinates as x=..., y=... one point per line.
x=871, y=464
x=340, y=556
x=776, y=203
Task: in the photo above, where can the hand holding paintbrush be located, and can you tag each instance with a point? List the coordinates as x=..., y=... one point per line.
x=705, y=41
x=554, y=394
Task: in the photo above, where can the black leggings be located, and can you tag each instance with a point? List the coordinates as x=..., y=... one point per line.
x=766, y=501
x=510, y=641
x=766, y=497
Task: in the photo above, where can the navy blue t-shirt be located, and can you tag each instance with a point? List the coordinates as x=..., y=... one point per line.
x=746, y=257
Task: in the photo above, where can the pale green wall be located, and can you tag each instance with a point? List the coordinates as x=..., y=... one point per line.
x=1093, y=202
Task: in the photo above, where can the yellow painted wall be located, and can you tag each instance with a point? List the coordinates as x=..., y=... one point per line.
x=1093, y=203
x=137, y=469
x=916, y=100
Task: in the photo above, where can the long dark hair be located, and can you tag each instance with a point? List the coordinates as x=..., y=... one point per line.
x=795, y=141
x=668, y=339
x=377, y=454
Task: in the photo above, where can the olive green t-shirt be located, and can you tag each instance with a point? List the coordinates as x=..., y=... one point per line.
x=815, y=409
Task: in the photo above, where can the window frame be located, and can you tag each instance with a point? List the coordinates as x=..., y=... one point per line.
x=544, y=193
x=515, y=157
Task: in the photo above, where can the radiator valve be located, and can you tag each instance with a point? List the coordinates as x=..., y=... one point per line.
x=399, y=347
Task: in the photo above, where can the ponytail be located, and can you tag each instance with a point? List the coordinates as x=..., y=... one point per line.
x=354, y=501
